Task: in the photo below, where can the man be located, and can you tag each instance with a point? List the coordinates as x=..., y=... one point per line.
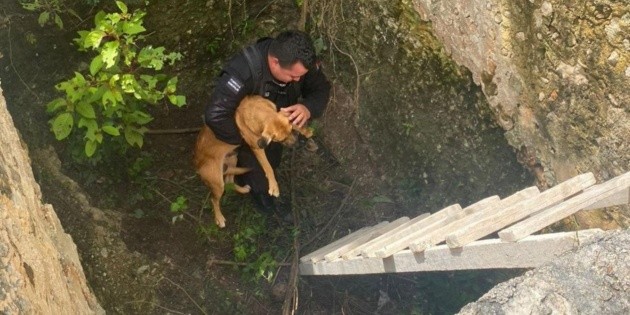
x=284, y=70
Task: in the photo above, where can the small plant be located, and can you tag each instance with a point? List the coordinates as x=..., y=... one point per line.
x=178, y=208
x=124, y=77
x=263, y=267
x=407, y=128
x=251, y=247
x=139, y=166
x=50, y=11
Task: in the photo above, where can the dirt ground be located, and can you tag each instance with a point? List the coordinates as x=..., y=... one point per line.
x=333, y=190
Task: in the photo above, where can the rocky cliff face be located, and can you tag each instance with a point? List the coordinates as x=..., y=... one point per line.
x=430, y=132
x=555, y=73
x=450, y=94
x=40, y=271
x=595, y=279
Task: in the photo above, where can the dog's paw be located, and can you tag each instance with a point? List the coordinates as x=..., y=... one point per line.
x=242, y=189
x=220, y=221
x=274, y=190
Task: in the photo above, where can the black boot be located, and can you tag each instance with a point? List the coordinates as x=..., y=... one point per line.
x=267, y=206
x=264, y=203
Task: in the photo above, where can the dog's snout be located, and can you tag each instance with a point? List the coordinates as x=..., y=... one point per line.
x=290, y=140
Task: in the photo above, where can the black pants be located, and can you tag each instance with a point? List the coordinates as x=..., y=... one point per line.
x=256, y=178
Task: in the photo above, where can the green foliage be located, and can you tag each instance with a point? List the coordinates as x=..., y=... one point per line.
x=124, y=78
x=178, y=207
x=139, y=166
x=49, y=11
x=320, y=46
x=214, y=45
x=255, y=245
x=254, y=242
x=210, y=230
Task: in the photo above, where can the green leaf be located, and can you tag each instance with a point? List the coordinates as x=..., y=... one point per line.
x=109, y=99
x=179, y=205
x=177, y=100
x=81, y=39
x=99, y=18
x=74, y=13
x=109, y=54
x=86, y=110
x=134, y=137
x=93, y=39
x=62, y=125
x=58, y=21
x=174, y=56
x=121, y=5
x=128, y=83
x=114, y=18
x=171, y=86
x=137, y=16
x=30, y=6
x=87, y=123
x=150, y=57
x=56, y=104
x=150, y=80
x=118, y=96
x=71, y=89
x=97, y=93
x=96, y=64
x=111, y=130
x=91, y=127
x=43, y=18
x=79, y=79
x=139, y=117
x=90, y=147
x=132, y=28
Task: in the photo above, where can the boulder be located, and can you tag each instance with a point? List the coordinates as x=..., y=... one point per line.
x=594, y=279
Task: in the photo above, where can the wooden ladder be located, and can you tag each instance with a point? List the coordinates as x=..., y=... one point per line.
x=450, y=239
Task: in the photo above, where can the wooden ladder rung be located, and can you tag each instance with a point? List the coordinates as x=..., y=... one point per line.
x=439, y=235
x=546, y=217
x=494, y=222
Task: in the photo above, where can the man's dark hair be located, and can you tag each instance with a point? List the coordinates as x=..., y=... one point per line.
x=293, y=46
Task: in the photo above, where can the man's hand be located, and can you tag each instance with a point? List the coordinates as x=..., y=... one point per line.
x=298, y=114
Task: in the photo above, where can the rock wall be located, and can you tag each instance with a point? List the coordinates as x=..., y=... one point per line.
x=40, y=271
x=427, y=127
x=556, y=74
x=595, y=279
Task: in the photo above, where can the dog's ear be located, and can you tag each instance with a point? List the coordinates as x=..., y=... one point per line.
x=263, y=142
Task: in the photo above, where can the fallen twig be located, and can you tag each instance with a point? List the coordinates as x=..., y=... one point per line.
x=188, y=295
x=290, y=304
x=171, y=131
x=235, y=263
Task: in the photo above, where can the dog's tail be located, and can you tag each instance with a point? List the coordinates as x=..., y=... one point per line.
x=236, y=170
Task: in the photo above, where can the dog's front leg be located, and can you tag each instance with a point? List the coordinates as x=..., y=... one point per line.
x=274, y=190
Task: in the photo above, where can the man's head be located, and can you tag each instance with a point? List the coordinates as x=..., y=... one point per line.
x=291, y=55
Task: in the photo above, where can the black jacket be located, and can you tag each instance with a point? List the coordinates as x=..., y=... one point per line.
x=236, y=81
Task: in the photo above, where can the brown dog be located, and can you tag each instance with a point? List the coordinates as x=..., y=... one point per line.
x=259, y=124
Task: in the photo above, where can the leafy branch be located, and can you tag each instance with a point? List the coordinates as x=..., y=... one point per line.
x=124, y=78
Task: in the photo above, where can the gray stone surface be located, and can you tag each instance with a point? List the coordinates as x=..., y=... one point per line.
x=595, y=279
x=554, y=74
x=40, y=271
